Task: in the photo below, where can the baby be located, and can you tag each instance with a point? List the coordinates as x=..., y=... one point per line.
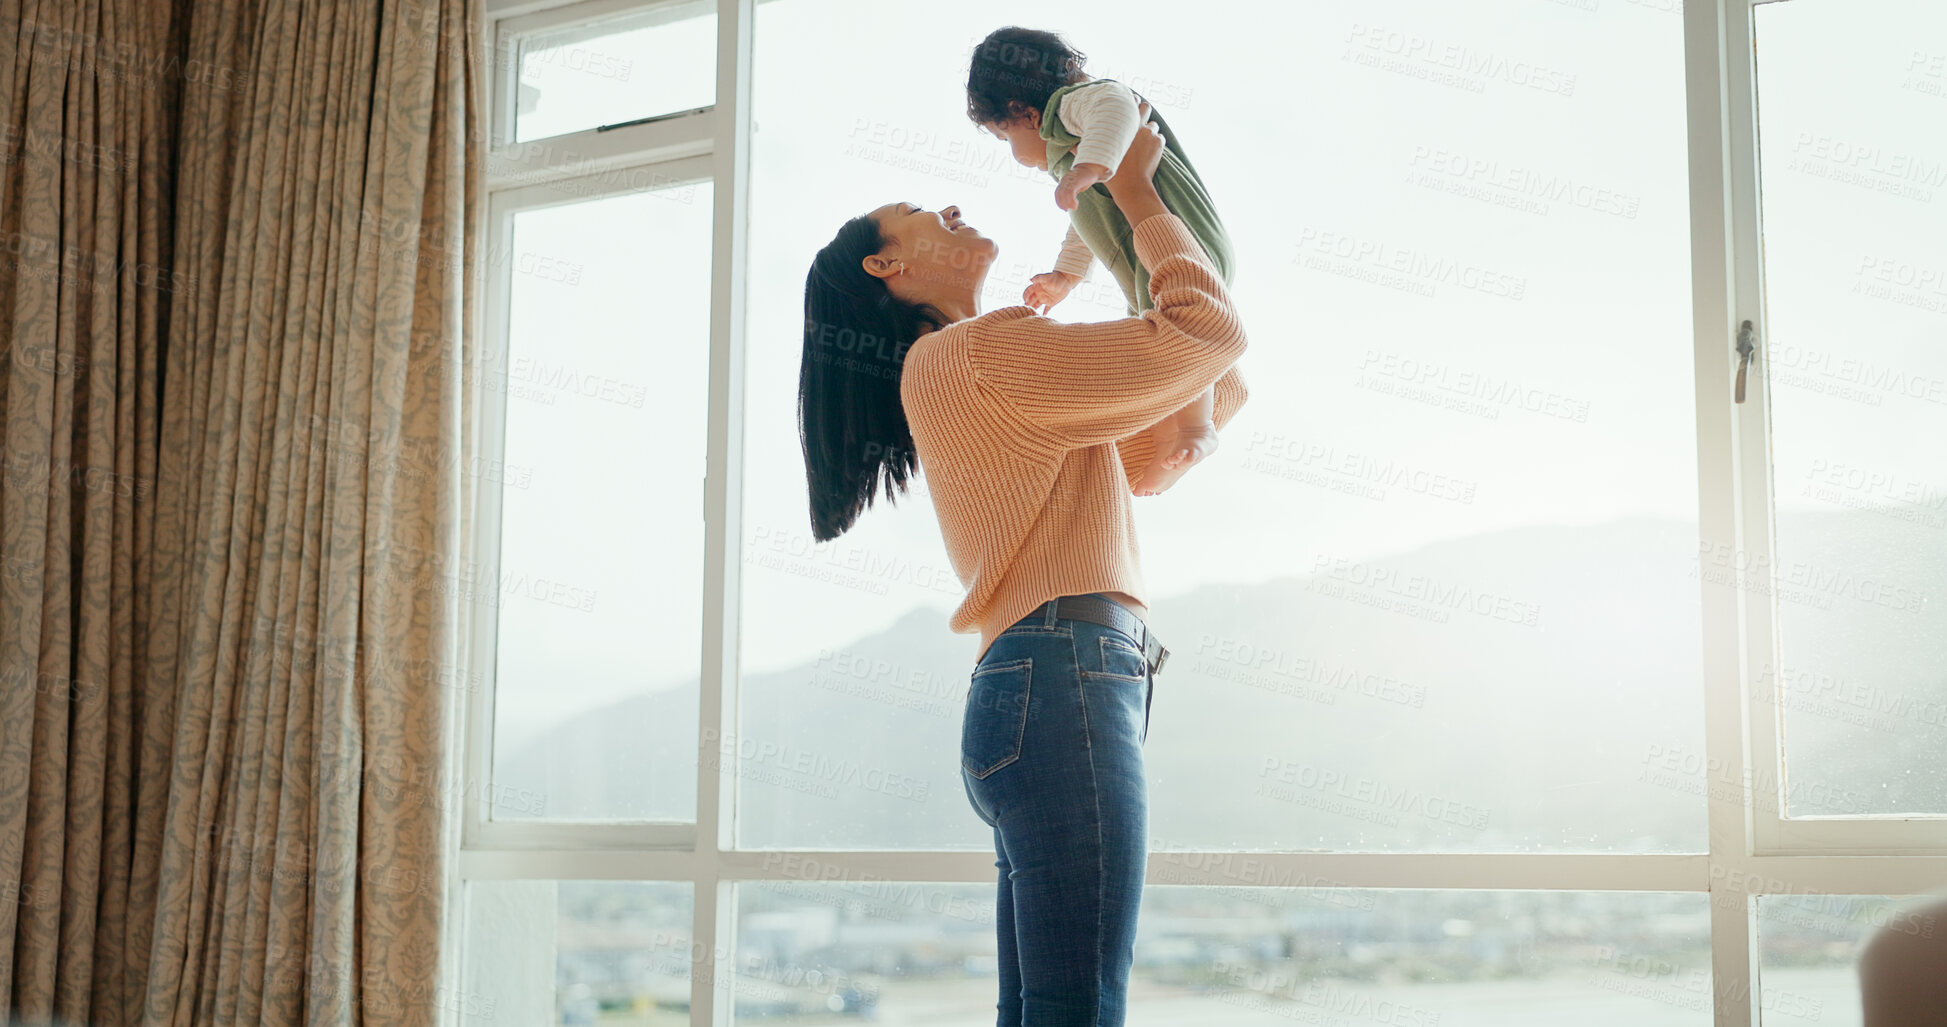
x=1027, y=87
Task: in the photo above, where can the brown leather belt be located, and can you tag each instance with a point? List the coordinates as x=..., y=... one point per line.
x=1100, y=609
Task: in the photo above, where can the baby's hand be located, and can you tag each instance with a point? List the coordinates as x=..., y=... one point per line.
x=1048, y=288
x=1079, y=177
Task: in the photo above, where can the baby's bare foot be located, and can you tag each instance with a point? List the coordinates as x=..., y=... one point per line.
x=1177, y=450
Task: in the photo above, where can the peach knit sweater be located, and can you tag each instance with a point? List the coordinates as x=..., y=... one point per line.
x=1028, y=430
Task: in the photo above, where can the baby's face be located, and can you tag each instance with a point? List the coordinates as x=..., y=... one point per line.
x=1023, y=135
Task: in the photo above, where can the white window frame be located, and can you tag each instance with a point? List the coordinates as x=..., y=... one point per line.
x=1752, y=850
x=1772, y=833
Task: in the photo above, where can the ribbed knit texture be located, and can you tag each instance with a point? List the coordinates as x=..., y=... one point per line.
x=1028, y=430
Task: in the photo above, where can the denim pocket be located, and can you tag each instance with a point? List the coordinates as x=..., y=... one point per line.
x=996, y=718
x=1121, y=659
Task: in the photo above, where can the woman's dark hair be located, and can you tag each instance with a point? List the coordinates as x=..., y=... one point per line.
x=851, y=424
x=1015, y=70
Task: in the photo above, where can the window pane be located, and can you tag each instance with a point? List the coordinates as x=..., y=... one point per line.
x=926, y=953
x=595, y=704
x=1808, y=953
x=578, y=952
x=659, y=62
x=1438, y=590
x=1851, y=99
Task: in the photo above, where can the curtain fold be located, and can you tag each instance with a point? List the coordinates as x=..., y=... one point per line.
x=238, y=813
x=87, y=153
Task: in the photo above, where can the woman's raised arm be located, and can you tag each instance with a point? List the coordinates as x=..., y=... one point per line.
x=1095, y=383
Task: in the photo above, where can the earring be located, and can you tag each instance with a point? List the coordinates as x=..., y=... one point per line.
x=902, y=267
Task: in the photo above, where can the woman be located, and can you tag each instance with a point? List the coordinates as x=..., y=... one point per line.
x=1029, y=432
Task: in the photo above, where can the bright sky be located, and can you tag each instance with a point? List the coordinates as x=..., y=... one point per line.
x=1463, y=251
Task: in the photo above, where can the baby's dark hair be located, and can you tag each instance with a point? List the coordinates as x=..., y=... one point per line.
x=1015, y=70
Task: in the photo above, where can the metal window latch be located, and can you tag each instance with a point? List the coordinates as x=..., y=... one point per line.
x=1746, y=348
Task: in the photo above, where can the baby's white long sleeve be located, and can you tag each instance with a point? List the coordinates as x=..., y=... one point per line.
x=1104, y=115
x=1075, y=255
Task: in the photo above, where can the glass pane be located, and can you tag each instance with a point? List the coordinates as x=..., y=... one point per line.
x=1438, y=588
x=577, y=952
x=1851, y=100
x=661, y=61
x=595, y=706
x=1808, y=953
x=926, y=953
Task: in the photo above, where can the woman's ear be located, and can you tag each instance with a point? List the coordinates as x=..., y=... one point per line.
x=883, y=267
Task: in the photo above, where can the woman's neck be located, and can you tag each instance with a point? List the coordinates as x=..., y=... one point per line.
x=959, y=308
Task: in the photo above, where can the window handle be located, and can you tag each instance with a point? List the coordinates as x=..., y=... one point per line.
x=1746, y=349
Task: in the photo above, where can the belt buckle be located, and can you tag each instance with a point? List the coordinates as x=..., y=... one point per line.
x=1161, y=653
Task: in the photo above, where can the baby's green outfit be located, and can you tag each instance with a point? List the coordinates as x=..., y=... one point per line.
x=1103, y=227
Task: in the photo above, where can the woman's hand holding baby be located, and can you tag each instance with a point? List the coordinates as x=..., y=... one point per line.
x=1133, y=186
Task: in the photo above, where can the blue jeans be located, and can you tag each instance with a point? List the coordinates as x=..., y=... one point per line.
x=1051, y=756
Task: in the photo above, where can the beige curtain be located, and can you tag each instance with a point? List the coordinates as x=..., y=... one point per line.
x=86, y=183
x=231, y=506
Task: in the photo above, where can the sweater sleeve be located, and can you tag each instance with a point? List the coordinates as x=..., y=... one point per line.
x=1075, y=255
x=1106, y=117
x=1095, y=383
x=1137, y=450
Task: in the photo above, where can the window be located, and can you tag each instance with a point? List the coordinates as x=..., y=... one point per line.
x=1809, y=949
x=598, y=949
x=1855, y=302
x=1239, y=954
x=1371, y=554
x=1470, y=613
x=656, y=61
x=601, y=538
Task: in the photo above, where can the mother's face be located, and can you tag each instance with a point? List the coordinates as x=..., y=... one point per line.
x=929, y=250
